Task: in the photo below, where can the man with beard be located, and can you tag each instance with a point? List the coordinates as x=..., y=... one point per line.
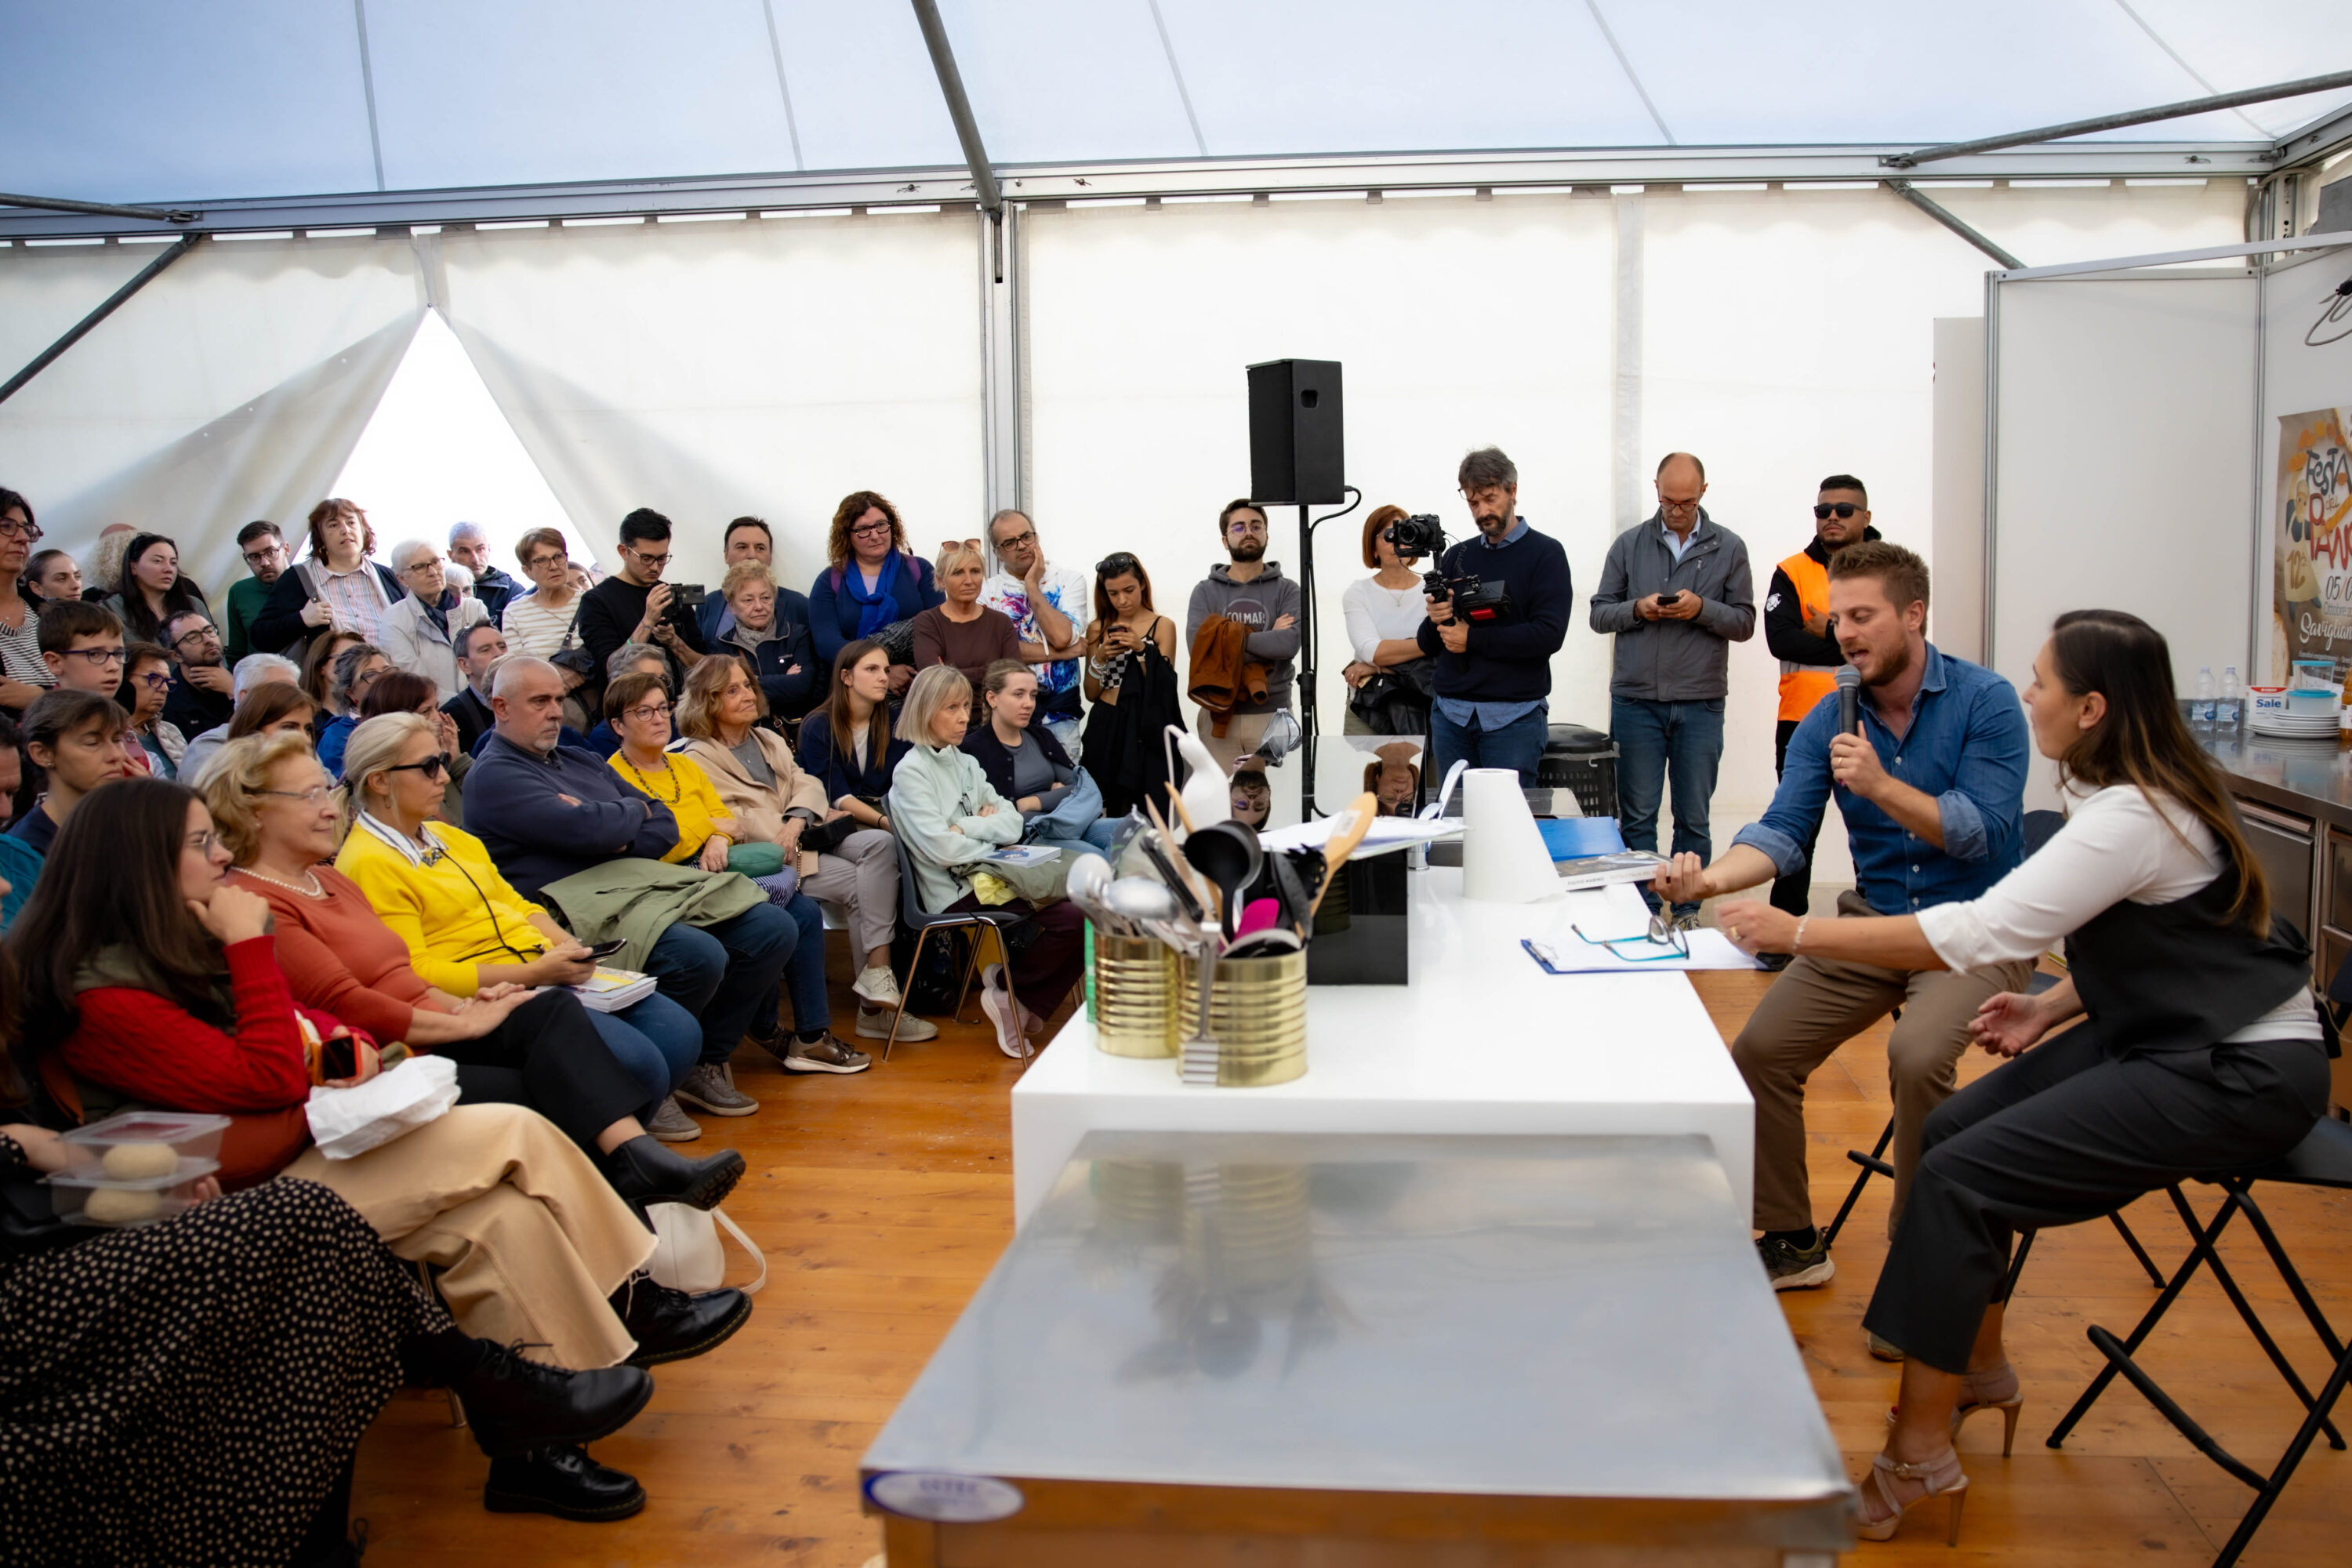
x=1931, y=787
x=264, y=549
x=1252, y=592
x=1493, y=684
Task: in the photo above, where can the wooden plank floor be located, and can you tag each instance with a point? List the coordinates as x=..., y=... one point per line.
x=882, y=1200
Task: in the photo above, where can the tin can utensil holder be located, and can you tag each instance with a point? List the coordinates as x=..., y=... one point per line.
x=1134, y=997
x=1257, y=1016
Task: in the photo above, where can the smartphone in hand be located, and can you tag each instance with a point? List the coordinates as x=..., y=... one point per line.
x=604, y=950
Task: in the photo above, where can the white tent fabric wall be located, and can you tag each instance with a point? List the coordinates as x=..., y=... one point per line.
x=708, y=370
x=231, y=387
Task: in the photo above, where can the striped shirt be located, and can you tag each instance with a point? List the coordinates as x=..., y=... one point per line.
x=20, y=652
x=536, y=627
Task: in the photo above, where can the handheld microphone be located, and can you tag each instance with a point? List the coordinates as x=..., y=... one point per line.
x=1849, y=689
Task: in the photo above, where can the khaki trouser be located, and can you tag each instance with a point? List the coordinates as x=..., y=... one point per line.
x=1818, y=1005
x=1242, y=732
x=528, y=1236
x=861, y=875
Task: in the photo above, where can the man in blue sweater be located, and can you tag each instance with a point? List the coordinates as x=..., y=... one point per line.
x=1493, y=687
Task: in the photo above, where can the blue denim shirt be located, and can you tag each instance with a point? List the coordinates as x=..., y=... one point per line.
x=1967, y=746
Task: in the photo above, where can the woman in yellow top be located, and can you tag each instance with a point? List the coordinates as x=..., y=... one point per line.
x=465, y=925
x=637, y=707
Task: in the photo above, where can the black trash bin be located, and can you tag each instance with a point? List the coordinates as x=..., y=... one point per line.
x=1584, y=762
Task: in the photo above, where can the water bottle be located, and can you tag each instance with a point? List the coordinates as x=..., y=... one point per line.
x=2229, y=718
x=2200, y=710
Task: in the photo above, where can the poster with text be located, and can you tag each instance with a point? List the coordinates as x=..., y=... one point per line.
x=2312, y=598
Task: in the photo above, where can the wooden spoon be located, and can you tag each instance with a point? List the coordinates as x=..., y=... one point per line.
x=1342, y=844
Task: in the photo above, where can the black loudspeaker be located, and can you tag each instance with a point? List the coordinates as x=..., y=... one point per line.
x=1296, y=453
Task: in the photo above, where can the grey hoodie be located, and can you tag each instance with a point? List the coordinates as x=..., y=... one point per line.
x=1257, y=605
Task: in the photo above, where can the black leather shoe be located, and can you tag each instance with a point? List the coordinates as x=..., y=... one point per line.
x=671, y=1325
x=644, y=1169
x=561, y=1480
x=513, y=1405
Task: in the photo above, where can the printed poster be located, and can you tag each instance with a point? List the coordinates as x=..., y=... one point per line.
x=2312, y=617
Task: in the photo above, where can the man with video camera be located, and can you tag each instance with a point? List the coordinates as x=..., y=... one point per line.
x=635, y=605
x=1498, y=609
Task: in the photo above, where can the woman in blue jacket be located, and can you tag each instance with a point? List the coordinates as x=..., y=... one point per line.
x=876, y=581
x=846, y=745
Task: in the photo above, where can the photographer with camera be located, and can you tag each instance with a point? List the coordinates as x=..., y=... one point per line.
x=636, y=605
x=1676, y=591
x=1498, y=609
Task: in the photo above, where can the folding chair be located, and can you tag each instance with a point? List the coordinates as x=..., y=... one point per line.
x=923, y=923
x=2322, y=1160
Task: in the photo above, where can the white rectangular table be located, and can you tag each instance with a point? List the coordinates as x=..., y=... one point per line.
x=1481, y=1040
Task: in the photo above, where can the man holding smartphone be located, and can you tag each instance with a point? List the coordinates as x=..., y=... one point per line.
x=634, y=604
x=1677, y=593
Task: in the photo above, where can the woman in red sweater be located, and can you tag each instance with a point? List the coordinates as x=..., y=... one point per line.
x=149, y=979
x=274, y=808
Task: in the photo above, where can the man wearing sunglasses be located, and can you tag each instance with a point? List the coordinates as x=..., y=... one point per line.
x=1797, y=629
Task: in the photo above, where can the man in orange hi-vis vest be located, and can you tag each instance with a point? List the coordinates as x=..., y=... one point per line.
x=1796, y=630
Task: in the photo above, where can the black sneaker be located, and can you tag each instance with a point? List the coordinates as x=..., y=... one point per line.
x=514, y=1404
x=561, y=1480
x=672, y=1325
x=1791, y=1268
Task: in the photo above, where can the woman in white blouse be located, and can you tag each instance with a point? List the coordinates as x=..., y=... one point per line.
x=1383, y=613
x=2201, y=1049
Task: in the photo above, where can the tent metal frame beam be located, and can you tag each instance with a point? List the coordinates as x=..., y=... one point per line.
x=112, y=303
x=2320, y=138
x=2118, y=121
x=1951, y=220
x=967, y=125
x=1593, y=168
x=100, y=209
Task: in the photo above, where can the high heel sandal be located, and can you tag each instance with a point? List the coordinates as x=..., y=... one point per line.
x=1941, y=1477
x=1994, y=1388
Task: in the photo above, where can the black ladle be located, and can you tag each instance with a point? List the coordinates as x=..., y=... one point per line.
x=1228, y=854
x=1291, y=889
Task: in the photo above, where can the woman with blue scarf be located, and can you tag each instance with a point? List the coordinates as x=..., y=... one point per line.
x=874, y=585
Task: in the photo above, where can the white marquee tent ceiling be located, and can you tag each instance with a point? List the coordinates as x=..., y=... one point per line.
x=152, y=100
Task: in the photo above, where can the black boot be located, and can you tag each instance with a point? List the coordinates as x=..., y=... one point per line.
x=514, y=1405
x=644, y=1169
x=671, y=1325
x=561, y=1480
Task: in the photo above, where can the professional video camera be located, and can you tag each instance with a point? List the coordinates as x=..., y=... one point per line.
x=1473, y=600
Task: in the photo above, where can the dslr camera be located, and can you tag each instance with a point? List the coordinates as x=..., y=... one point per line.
x=1472, y=600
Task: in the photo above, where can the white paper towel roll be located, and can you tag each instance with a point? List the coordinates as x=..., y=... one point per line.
x=1503, y=860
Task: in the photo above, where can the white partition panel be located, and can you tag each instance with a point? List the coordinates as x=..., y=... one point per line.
x=709, y=370
x=2297, y=378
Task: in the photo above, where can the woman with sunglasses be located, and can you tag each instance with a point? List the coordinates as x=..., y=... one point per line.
x=875, y=582
x=466, y=928
x=146, y=687
x=1131, y=680
x=402, y=691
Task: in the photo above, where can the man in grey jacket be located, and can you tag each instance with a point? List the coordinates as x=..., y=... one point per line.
x=1253, y=590
x=1674, y=591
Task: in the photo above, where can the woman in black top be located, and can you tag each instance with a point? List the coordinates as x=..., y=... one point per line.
x=855, y=769
x=1131, y=678
x=1028, y=767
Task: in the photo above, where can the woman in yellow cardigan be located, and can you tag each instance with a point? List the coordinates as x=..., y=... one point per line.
x=637, y=707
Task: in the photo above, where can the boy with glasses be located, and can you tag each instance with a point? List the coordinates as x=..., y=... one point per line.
x=633, y=604
x=203, y=693
x=264, y=549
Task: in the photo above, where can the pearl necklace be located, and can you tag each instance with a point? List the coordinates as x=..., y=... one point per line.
x=315, y=890
x=678, y=785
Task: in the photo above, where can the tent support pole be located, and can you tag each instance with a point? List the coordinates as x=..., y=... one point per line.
x=100, y=209
x=1951, y=220
x=113, y=302
x=2116, y=121
x=967, y=129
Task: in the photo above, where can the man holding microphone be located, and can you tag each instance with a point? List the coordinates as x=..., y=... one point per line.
x=1929, y=774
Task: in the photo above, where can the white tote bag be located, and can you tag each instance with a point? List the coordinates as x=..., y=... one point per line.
x=687, y=1252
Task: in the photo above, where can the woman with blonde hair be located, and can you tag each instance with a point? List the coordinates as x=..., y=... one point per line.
x=876, y=582
x=960, y=631
x=772, y=801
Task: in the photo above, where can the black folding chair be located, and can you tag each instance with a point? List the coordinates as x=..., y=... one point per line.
x=2322, y=1160
x=923, y=923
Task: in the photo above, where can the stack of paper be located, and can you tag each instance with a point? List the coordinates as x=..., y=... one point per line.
x=610, y=990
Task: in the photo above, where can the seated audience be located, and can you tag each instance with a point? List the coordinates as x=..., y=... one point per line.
x=319, y=667
x=24, y=675
x=420, y=632
x=146, y=682
x=950, y=820
x=105, y=573
x=846, y=745
x=960, y=631
x=20, y=863
x=478, y=649
x=279, y=813
x=1131, y=680
x=202, y=691
x=151, y=590
x=2201, y=1049
x=51, y=576
x=460, y=581
x=150, y=979
x=81, y=643
x=746, y=539
x=629, y=658
x=773, y=801
x=543, y=619
x=1026, y=765
x=546, y=814
x=874, y=584
x=635, y=606
x=76, y=740
x=357, y=667
x=770, y=626
x=264, y=549
x=467, y=929
x=253, y=671
x=401, y=692
x=336, y=587
x=638, y=707
x=469, y=550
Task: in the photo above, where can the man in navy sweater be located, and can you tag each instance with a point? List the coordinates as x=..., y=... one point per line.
x=1494, y=673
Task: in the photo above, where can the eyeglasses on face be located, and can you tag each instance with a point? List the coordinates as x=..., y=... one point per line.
x=265, y=555
x=647, y=713
x=542, y=562
x=99, y=657
x=1678, y=507
x=315, y=795
x=12, y=529
x=195, y=633
x=425, y=562
x=153, y=681
x=648, y=556
x=203, y=843
x=1246, y=525
x=869, y=530
x=431, y=767
x=1026, y=537
x=1822, y=512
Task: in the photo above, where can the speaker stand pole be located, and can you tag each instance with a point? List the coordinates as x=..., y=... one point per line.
x=1306, y=723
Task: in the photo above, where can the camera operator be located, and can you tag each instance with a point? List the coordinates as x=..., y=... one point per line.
x=638, y=606
x=1498, y=614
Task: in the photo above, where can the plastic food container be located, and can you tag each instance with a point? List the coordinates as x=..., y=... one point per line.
x=2316, y=702
x=89, y=1198
x=188, y=1136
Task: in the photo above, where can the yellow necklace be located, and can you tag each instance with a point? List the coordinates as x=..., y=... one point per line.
x=677, y=784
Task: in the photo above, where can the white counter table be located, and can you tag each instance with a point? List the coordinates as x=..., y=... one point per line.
x=1480, y=1041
